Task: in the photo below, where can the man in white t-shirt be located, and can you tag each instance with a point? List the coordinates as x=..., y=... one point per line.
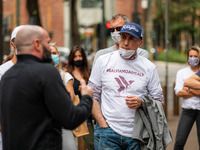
x=116, y=23
x=4, y=67
x=119, y=79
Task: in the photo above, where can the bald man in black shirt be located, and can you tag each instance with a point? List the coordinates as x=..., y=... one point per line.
x=34, y=102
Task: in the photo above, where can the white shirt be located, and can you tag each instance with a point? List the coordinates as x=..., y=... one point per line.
x=181, y=76
x=4, y=67
x=119, y=78
x=67, y=77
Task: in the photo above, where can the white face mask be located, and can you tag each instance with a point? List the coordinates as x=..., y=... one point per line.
x=115, y=36
x=126, y=54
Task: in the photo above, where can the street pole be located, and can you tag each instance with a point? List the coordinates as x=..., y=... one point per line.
x=166, y=56
x=102, y=39
x=149, y=29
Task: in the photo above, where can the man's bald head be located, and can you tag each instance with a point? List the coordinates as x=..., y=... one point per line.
x=26, y=36
x=33, y=40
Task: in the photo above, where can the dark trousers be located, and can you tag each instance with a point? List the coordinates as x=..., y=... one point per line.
x=187, y=119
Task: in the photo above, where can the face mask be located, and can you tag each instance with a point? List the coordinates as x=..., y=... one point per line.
x=78, y=63
x=193, y=61
x=46, y=57
x=55, y=59
x=126, y=54
x=115, y=36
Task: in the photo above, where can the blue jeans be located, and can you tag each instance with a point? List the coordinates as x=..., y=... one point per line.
x=187, y=119
x=107, y=139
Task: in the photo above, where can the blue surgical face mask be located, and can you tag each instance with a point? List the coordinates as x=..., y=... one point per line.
x=55, y=59
x=193, y=61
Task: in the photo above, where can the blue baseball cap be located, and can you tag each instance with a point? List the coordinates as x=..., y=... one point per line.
x=133, y=29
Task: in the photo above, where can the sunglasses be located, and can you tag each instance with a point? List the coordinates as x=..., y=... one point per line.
x=52, y=44
x=113, y=29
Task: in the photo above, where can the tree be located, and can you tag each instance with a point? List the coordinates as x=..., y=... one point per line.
x=75, y=35
x=159, y=22
x=33, y=10
x=182, y=17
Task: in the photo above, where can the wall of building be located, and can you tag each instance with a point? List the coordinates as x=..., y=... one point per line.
x=51, y=15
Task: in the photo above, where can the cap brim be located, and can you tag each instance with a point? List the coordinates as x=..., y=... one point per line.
x=131, y=34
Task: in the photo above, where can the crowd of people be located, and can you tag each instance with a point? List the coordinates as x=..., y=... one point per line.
x=121, y=98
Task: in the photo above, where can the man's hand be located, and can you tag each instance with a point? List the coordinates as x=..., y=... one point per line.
x=193, y=82
x=186, y=89
x=133, y=102
x=85, y=90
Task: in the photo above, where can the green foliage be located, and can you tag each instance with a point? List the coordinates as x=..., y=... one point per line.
x=183, y=14
x=173, y=56
x=181, y=18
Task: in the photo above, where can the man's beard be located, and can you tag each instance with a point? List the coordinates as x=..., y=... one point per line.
x=46, y=57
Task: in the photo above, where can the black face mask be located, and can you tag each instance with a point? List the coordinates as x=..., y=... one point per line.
x=78, y=63
x=46, y=57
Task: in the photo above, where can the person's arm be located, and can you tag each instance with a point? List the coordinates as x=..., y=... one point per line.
x=185, y=93
x=59, y=103
x=154, y=87
x=96, y=109
x=96, y=112
x=70, y=88
x=193, y=82
x=195, y=92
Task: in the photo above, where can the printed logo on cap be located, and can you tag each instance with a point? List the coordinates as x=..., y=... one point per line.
x=130, y=27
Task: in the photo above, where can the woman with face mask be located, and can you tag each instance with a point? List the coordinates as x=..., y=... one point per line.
x=67, y=135
x=78, y=68
x=191, y=99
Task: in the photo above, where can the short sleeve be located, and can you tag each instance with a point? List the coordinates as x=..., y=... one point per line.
x=68, y=77
x=179, y=83
x=4, y=67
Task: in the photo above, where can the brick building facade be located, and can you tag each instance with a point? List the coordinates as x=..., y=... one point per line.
x=51, y=17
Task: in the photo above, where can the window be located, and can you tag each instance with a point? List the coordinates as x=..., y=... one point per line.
x=90, y=3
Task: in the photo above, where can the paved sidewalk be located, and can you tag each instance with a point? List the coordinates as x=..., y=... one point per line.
x=192, y=141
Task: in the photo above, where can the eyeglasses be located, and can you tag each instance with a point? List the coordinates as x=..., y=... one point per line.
x=52, y=44
x=113, y=29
